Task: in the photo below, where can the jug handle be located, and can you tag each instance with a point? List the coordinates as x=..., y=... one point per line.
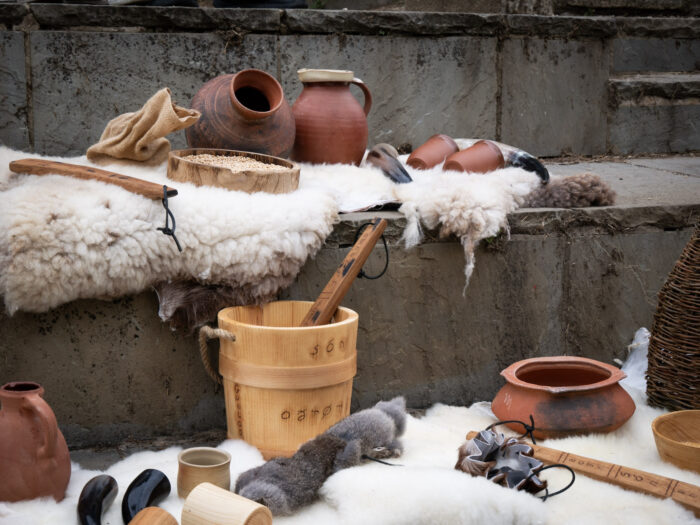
x=48, y=423
x=365, y=90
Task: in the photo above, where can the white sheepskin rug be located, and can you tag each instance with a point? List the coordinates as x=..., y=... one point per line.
x=426, y=489
x=63, y=238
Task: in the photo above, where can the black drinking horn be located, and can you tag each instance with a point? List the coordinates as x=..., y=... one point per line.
x=96, y=497
x=148, y=489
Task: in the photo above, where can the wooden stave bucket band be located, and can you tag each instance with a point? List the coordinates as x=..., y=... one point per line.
x=285, y=384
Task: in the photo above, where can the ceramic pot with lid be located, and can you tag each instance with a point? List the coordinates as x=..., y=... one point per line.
x=565, y=395
x=34, y=458
x=246, y=111
x=331, y=125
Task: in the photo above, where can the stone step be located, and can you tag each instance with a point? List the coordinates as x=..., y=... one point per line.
x=654, y=112
x=646, y=7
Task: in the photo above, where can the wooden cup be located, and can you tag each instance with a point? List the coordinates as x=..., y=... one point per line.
x=209, y=504
x=202, y=464
x=153, y=516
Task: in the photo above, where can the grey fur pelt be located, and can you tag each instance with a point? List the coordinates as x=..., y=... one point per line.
x=575, y=191
x=373, y=432
x=286, y=484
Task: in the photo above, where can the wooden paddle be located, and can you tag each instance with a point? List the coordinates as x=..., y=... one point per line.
x=684, y=493
x=51, y=167
x=328, y=301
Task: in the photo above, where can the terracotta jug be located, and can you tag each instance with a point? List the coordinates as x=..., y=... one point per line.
x=34, y=459
x=565, y=395
x=246, y=111
x=331, y=126
x=481, y=157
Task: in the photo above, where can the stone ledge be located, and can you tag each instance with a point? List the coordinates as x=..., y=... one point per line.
x=311, y=21
x=667, y=86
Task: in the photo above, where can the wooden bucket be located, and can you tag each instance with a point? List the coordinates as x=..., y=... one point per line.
x=285, y=384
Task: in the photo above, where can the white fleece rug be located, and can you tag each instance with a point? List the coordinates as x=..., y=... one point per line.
x=426, y=489
x=63, y=239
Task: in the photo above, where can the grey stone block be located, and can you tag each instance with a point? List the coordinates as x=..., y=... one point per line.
x=677, y=165
x=554, y=96
x=112, y=370
x=12, y=13
x=168, y=18
x=655, y=54
x=420, y=86
x=610, y=288
x=668, y=87
x=81, y=80
x=384, y=22
x=654, y=128
x=14, y=130
x=561, y=26
x=658, y=27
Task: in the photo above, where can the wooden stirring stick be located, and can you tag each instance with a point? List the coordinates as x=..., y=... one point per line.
x=328, y=301
x=51, y=167
x=684, y=493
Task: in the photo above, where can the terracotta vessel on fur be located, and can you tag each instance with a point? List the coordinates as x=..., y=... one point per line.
x=331, y=126
x=482, y=157
x=246, y=111
x=34, y=459
x=565, y=395
x=434, y=151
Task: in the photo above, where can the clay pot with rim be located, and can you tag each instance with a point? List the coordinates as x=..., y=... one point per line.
x=34, y=458
x=435, y=150
x=331, y=126
x=481, y=157
x=246, y=111
x=565, y=395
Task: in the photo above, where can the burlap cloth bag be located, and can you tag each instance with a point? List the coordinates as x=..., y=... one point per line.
x=140, y=136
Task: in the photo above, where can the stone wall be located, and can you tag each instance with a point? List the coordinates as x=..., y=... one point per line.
x=542, y=83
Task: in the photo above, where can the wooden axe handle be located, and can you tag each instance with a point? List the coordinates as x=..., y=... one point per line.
x=328, y=301
x=51, y=167
x=638, y=480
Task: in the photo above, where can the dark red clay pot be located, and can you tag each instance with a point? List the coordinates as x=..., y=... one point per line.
x=246, y=111
x=34, y=459
x=481, y=157
x=435, y=150
x=331, y=126
x=566, y=395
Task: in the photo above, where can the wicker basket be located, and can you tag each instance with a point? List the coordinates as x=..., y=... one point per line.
x=673, y=375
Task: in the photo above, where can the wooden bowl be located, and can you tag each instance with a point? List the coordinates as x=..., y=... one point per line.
x=248, y=180
x=677, y=437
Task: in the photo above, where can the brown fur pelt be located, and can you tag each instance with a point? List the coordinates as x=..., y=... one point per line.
x=187, y=305
x=576, y=191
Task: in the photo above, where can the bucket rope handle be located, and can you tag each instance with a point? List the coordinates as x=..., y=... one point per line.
x=206, y=333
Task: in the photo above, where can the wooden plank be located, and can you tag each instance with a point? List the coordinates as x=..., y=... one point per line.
x=328, y=301
x=50, y=167
x=632, y=479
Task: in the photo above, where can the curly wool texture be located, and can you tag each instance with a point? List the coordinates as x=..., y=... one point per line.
x=575, y=191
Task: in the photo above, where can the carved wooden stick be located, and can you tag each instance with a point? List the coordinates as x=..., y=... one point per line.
x=51, y=167
x=328, y=301
x=684, y=493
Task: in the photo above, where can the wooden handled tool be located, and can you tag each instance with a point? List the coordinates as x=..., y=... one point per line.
x=51, y=167
x=328, y=301
x=684, y=493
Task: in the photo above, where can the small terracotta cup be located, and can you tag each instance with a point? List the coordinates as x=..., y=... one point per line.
x=202, y=464
x=209, y=504
x=482, y=157
x=153, y=516
x=436, y=149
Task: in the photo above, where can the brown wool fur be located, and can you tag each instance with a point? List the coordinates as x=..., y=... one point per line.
x=576, y=191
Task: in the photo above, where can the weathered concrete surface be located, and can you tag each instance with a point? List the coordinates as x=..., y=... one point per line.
x=111, y=370
x=83, y=80
x=631, y=55
x=553, y=99
x=576, y=282
x=425, y=86
x=14, y=128
x=654, y=127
